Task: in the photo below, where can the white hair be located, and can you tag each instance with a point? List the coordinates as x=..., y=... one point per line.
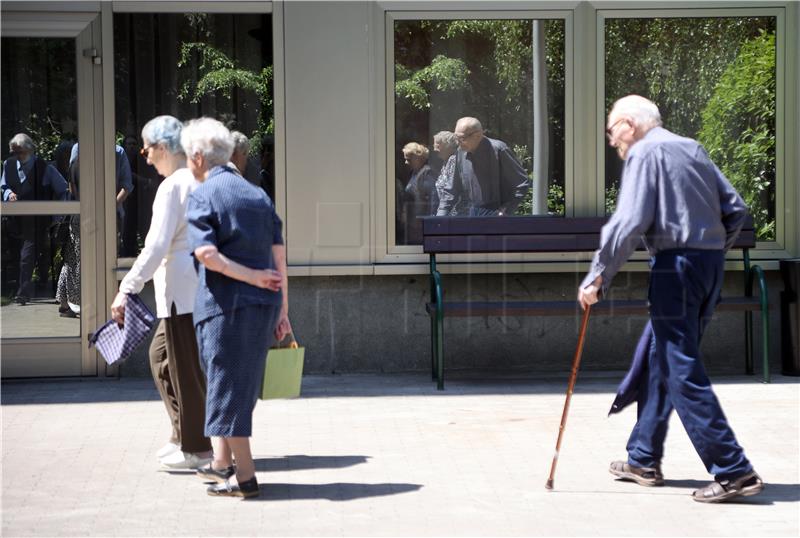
x=240, y=142
x=165, y=130
x=446, y=139
x=21, y=140
x=209, y=138
x=643, y=112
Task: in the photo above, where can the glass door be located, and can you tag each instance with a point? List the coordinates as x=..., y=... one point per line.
x=48, y=280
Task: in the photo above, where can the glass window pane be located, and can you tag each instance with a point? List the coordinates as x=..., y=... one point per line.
x=713, y=80
x=187, y=66
x=41, y=260
x=40, y=117
x=507, y=74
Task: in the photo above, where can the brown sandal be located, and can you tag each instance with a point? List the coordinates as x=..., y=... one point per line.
x=644, y=476
x=717, y=492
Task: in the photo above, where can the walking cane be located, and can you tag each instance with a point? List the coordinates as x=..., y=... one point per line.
x=575, y=364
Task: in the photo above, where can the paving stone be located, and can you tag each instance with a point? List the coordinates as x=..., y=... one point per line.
x=388, y=455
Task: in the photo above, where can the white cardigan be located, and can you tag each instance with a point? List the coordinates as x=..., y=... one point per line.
x=166, y=257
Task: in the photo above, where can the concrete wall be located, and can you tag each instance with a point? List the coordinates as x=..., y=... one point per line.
x=378, y=324
x=327, y=91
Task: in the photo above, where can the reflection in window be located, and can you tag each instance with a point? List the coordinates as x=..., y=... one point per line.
x=507, y=74
x=713, y=80
x=190, y=65
x=40, y=116
x=41, y=259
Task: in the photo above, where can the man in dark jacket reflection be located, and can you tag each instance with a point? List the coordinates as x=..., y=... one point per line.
x=488, y=178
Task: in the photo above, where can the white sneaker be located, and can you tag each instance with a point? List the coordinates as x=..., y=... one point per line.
x=180, y=460
x=167, y=449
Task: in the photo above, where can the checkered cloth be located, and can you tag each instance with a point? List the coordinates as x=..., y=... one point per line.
x=116, y=342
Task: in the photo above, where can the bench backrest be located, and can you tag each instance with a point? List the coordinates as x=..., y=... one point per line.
x=441, y=235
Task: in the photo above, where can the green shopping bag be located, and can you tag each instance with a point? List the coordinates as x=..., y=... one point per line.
x=283, y=372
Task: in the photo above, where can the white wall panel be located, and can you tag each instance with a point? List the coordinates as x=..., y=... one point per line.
x=327, y=94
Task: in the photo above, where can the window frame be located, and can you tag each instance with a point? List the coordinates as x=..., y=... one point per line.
x=119, y=266
x=785, y=190
x=387, y=251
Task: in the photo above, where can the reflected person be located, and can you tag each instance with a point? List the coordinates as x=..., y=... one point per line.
x=68, y=289
x=445, y=145
x=488, y=179
x=240, y=158
x=420, y=198
x=28, y=177
x=124, y=182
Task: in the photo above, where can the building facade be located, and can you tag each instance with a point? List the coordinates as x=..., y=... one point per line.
x=330, y=93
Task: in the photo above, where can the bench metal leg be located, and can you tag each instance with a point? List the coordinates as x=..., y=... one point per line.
x=440, y=347
x=755, y=272
x=437, y=326
x=748, y=343
x=434, y=344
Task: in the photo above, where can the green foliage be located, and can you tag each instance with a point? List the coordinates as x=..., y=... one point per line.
x=218, y=74
x=739, y=129
x=555, y=201
x=611, y=198
x=686, y=64
x=443, y=74
x=46, y=134
x=508, y=41
x=675, y=62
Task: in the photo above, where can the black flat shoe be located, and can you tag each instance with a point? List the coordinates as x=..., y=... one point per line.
x=248, y=488
x=209, y=473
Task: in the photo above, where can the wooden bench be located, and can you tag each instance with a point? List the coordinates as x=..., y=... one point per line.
x=531, y=234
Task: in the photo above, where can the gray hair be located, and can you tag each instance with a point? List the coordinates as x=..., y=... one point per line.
x=643, y=112
x=446, y=139
x=21, y=140
x=240, y=142
x=164, y=130
x=209, y=138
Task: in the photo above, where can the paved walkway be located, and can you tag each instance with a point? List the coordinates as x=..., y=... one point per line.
x=387, y=456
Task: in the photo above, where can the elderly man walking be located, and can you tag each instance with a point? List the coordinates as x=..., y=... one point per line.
x=488, y=179
x=689, y=215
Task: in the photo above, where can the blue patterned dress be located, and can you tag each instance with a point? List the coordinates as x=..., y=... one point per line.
x=234, y=321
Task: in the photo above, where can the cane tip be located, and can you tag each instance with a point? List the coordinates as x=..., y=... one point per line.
x=549, y=484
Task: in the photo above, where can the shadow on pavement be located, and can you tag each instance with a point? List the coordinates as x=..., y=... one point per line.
x=337, y=491
x=773, y=493
x=94, y=390
x=299, y=462
x=78, y=391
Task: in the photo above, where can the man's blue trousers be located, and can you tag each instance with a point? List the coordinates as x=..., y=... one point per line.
x=684, y=289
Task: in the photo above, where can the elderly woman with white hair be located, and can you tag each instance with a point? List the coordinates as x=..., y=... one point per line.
x=241, y=148
x=242, y=301
x=445, y=144
x=166, y=258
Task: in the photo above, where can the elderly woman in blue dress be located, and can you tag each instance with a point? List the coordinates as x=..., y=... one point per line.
x=242, y=301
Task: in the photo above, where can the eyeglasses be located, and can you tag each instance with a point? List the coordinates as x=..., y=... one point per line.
x=462, y=137
x=610, y=130
x=145, y=149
